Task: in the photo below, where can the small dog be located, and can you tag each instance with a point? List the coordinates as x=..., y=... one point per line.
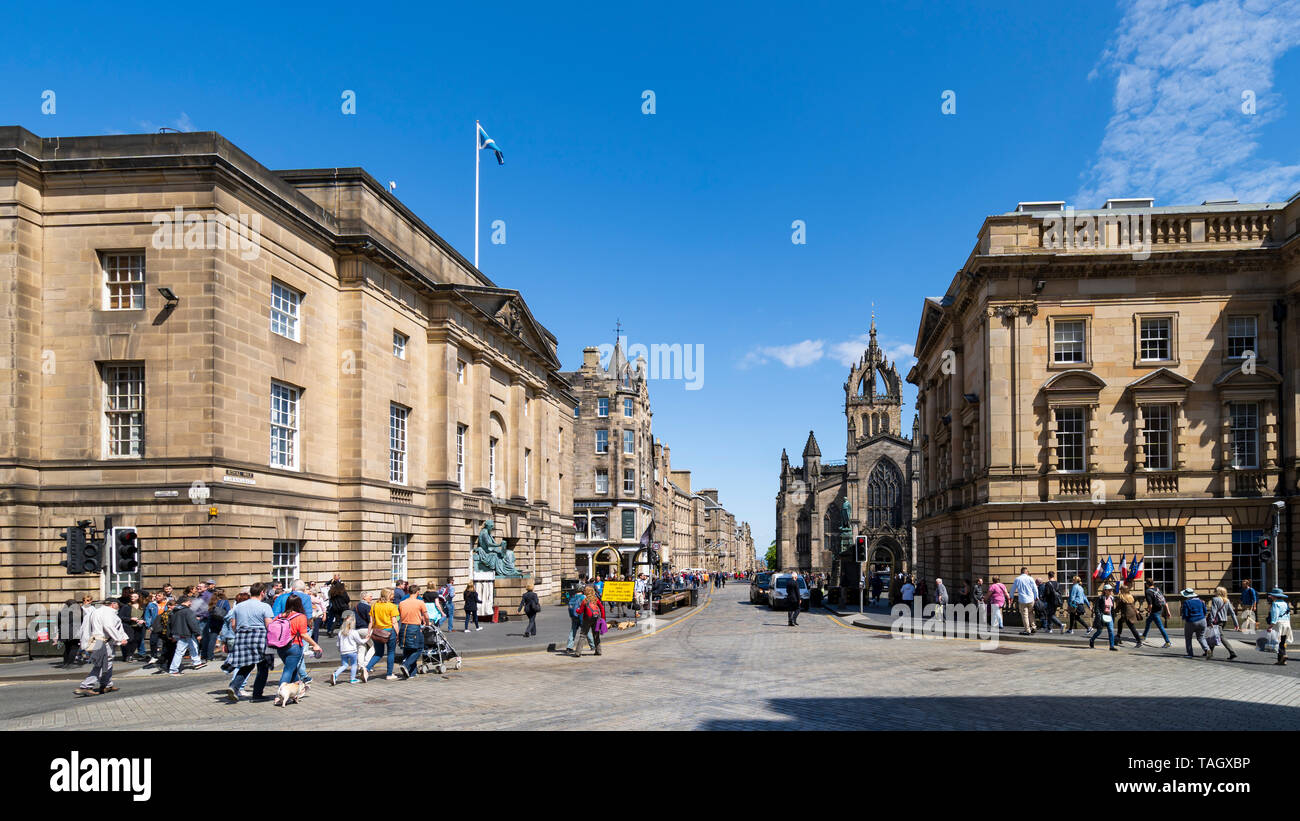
x=291, y=692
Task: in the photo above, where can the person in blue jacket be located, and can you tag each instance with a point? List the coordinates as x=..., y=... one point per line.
x=1193, y=613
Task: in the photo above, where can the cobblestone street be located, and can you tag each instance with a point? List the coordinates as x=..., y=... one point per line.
x=730, y=666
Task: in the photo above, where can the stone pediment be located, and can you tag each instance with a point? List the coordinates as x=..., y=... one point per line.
x=1161, y=385
x=1075, y=386
x=1238, y=378
x=508, y=309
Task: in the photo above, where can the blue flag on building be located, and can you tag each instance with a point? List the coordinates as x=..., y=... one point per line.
x=484, y=141
x=1108, y=570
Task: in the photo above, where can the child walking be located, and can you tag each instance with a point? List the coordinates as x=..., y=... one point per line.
x=471, y=607
x=350, y=641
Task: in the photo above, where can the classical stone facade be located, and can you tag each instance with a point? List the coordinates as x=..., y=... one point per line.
x=342, y=389
x=1109, y=384
x=874, y=478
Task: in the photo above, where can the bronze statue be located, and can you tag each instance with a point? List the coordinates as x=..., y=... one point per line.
x=846, y=527
x=493, y=556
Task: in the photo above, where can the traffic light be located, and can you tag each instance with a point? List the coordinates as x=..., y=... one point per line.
x=1266, y=549
x=126, y=550
x=74, y=544
x=861, y=549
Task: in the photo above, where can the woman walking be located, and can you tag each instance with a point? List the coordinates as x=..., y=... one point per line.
x=382, y=615
x=299, y=634
x=471, y=606
x=1128, y=615
x=1104, y=610
x=1078, y=605
x=350, y=641
x=591, y=610
x=1193, y=615
x=413, y=615
x=1216, y=615
x=530, y=607
x=997, y=600
x=1279, y=619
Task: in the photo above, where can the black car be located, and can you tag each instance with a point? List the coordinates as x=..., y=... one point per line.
x=759, y=587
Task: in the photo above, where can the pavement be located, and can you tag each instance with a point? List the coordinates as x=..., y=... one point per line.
x=726, y=665
x=878, y=617
x=503, y=638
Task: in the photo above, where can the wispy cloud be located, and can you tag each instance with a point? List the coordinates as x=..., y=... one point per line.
x=1179, y=131
x=811, y=351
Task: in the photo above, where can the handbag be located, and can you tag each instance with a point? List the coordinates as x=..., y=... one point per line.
x=601, y=626
x=381, y=633
x=1106, y=619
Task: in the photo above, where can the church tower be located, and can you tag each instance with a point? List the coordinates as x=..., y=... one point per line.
x=873, y=394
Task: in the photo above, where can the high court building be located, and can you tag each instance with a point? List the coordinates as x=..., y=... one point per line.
x=269, y=374
x=1113, y=382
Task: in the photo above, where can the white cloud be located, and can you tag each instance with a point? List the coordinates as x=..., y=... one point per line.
x=810, y=351
x=1179, y=132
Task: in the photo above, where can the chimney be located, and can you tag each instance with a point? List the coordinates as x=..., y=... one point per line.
x=590, y=358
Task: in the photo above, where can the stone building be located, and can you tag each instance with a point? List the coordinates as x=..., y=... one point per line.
x=1113, y=382
x=613, y=457
x=270, y=374
x=874, y=478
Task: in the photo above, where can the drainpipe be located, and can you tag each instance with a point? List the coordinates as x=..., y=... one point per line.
x=1279, y=319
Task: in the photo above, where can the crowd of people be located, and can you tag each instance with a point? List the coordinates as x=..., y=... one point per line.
x=1040, y=602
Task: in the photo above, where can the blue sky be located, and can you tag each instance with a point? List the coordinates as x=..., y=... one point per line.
x=679, y=223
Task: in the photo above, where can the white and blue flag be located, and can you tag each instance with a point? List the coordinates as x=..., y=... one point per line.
x=484, y=141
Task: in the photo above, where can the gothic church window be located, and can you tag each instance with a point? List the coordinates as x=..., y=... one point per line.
x=884, y=496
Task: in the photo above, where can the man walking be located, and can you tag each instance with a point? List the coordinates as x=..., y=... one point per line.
x=940, y=599
x=1248, y=601
x=1193, y=615
x=184, y=626
x=101, y=627
x=1026, y=593
x=1052, y=594
x=575, y=619
x=251, y=616
x=791, y=585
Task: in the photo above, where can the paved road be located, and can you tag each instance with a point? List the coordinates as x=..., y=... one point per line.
x=731, y=665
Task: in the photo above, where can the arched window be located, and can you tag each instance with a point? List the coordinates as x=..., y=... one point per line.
x=884, y=423
x=884, y=496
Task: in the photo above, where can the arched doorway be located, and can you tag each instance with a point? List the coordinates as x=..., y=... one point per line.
x=607, y=563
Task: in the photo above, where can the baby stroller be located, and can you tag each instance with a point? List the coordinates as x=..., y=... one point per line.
x=437, y=652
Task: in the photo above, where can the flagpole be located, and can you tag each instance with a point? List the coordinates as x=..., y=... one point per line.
x=476, y=159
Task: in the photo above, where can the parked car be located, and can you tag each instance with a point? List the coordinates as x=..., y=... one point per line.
x=758, y=587
x=776, y=597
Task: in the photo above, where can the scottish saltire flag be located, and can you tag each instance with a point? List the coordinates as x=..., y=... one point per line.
x=1123, y=571
x=1096, y=574
x=1135, y=570
x=1108, y=570
x=484, y=141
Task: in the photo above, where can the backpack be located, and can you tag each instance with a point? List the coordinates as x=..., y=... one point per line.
x=1159, y=598
x=163, y=623
x=278, y=633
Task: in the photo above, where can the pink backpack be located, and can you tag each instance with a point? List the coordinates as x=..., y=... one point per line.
x=278, y=633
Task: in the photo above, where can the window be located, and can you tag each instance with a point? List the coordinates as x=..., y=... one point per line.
x=1155, y=340
x=627, y=408
x=1068, y=341
x=577, y=411
x=884, y=496
x=284, y=426
x=460, y=456
x=528, y=457
x=602, y=441
x=284, y=562
x=629, y=441
x=600, y=527
x=629, y=481
x=285, y=302
x=1160, y=560
x=492, y=465
x=1245, y=559
x=399, y=344
x=123, y=282
x=1069, y=440
x=397, y=416
x=602, y=480
x=124, y=410
x=398, y=564
x=1242, y=336
x=528, y=401
x=1072, y=557
x=602, y=406
x=1244, y=433
x=1158, y=436
x=460, y=371
x=629, y=524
